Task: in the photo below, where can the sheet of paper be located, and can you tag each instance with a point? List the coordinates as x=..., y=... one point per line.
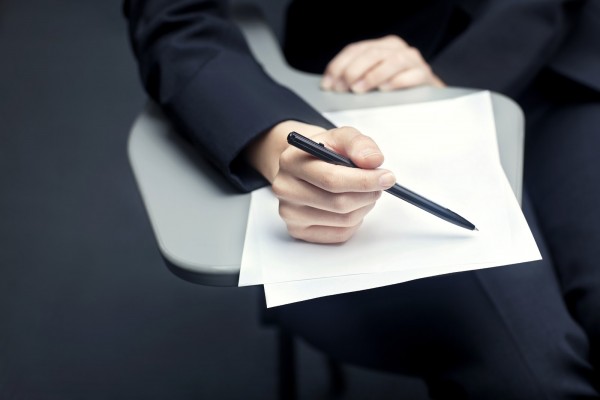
x=451, y=158
x=523, y=249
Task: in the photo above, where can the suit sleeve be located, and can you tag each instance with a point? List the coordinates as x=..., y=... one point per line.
x=507, y=43
x=196, y=65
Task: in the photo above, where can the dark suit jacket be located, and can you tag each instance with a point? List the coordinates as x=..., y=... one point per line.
x=579, y=56
x=196, y=65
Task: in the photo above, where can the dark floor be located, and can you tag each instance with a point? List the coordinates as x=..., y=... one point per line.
x=87, y=308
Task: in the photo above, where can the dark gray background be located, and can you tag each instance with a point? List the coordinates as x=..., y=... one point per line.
x=87, y=308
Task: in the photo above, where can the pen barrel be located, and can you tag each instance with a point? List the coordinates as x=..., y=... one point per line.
x=431, y=207
x=319, y=151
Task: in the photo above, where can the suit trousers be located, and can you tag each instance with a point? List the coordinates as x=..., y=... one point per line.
x=525, y=331
x=499, y=333
x=562, y=174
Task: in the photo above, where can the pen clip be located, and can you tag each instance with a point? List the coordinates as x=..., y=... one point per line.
x=318, y=150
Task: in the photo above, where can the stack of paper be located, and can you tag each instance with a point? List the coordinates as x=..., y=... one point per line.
x=444, y=150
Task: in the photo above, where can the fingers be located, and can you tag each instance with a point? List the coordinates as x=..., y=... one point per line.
x=387, y=63
x=326, y=203
x=322, y=234
x=361, y=149
x=419, y=74
x=294, y=191
x=314, y=225
x=405, y=79
x=381, y=73
x=315, y=215
x=350, y=64
x=333, y=77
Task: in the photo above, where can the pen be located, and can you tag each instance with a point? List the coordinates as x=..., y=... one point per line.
x=321, y=152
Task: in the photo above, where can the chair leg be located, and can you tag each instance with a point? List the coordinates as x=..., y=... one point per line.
x=287, y=366
x=336, y=375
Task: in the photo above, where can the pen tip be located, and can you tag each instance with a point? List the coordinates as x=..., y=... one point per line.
x=475, y=229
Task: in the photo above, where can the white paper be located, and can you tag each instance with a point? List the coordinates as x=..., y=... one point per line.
x=523, y=249
x=445, y=150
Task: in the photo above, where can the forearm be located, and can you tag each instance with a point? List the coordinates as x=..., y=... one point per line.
x=195, y=63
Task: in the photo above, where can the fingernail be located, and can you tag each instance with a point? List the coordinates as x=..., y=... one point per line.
x=387, y=180
x=327, y=82
x=360, y=86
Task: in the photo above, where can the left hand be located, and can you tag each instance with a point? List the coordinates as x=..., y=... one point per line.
x=387, y=63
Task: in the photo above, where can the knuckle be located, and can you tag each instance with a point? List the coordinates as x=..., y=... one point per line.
x=372, y=78
x=360, y=140
x=285, y=159
x=365, y=182
x=296, y=232
x=393, y=39
x=352, y=46
x=399, y=58
x=339, y=204
x=398, y=81
x=344, y=219
x=339, y=235
x=284, y=211
x=276, y=187
x=376, y=52
x=350, y=219
x=279, y=189
x=343, y=235
x=347, y=130
x=351, y=75
x=369, y=78
x=414, y=52
x=400, y=43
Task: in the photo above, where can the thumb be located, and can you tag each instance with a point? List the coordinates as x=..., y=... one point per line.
x=361, y=149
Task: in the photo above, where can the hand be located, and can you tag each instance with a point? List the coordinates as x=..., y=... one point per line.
x=387, y=63
x=321, y=202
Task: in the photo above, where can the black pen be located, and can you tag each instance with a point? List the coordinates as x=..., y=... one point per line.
x=321, y=152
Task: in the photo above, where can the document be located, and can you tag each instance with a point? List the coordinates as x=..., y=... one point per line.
x=444, y=150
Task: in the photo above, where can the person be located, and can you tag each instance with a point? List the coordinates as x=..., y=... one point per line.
x=516, y=332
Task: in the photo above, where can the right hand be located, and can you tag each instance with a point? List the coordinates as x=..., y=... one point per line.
x=321, y=202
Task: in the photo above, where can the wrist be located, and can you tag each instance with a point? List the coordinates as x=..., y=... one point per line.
x=263, y=153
